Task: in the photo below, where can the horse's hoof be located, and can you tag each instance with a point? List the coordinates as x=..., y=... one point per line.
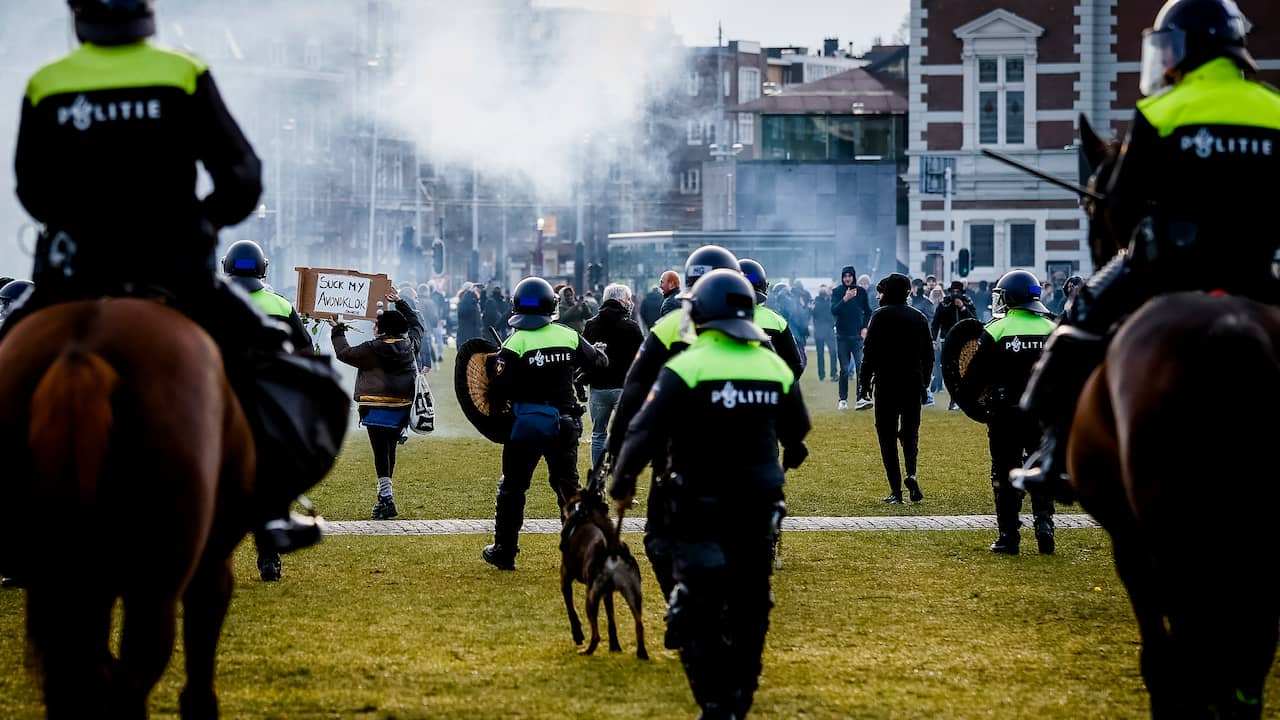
x=578, y=637
x=642, y=654
x=588, y=650
x=615, y=648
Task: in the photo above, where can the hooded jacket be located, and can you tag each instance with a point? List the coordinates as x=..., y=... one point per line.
x=387, y=364
x=852, y=315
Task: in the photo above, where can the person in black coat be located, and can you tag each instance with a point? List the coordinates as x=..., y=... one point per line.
x=621, y=338
x=470, y=318
x=852, y=312
x=956, y=305
x=385, y=385
x=897, y=363
x=651, y=308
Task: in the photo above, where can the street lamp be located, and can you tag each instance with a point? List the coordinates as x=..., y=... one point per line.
x=720, y=153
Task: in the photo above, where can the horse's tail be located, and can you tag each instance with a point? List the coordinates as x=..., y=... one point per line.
x=71, y=420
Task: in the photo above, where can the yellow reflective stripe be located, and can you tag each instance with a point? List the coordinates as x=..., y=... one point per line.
x=139, y=65
x=1215, y=93
x=548, y=336
x=715, y=356
x=271, y=303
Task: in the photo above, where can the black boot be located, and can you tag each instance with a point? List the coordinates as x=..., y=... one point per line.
x=1007, y=543
x=269, y=567
x=1008, y=505
x=913, y=487
x=499, y=556
x=1044, y=536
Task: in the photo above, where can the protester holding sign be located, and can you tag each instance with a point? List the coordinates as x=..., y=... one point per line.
x=385, y=386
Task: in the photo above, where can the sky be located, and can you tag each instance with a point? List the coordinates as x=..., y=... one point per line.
x=795, y=22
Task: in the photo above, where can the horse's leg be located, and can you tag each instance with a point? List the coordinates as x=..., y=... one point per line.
x=145, y=647
x=614, y=646
x=566, y=589
x=204, y=608
x=69, y=635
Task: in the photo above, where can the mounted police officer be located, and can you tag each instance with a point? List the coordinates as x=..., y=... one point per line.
x=246, y=265
x=773, y=324
x=1008, y=348
x=1185, y=194
x=534, y=372
x=668, y=337
x=719, y=410
x=107, y=156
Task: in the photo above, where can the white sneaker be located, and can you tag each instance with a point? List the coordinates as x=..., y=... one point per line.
x=862, y=404
x=842, y=405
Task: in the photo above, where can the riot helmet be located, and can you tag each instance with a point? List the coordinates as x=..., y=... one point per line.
x=755, y=275
x=113, y=22
x=704, y=260
x=246, y=264
x=532, y=303
x=1188, y=34
x=12, y=292
x=723, y=300
x=1017, y=289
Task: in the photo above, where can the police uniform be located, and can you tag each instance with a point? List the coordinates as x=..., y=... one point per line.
x=1007, y=350
x=1186, y=191
x=718, y=411
x=534, y=372
x=107, y=155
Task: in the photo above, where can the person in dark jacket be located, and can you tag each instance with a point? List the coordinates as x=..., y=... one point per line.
x=493, y=311
x=613, y=328
x=470, y=317
x=897, y=363
x=388, y=367
x=573, y=311
x=651, y=308
x=852, y=311
x=824, y=332
x=954, y=307
x=669, y=284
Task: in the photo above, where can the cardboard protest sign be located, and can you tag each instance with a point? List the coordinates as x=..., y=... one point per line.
x=327, y=293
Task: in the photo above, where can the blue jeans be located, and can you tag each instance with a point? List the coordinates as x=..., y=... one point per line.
x=601, y=406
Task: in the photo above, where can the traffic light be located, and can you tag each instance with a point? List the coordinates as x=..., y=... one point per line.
x=962, y=262
x=593, y=275
x=437, y=257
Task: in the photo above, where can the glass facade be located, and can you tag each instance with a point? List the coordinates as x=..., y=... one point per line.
x=833, y=138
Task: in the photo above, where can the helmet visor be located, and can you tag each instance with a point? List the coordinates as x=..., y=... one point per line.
x=1162, y=51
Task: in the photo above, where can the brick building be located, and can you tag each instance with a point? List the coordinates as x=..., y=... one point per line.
x=1014, y=76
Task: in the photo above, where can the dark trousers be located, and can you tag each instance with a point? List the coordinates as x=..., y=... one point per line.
x=898, y=421
x=659, y=543
x=1012, y=435
x=384, y=442
x=722, y=604
x=519, y=460
x=849, y=350
x=825, y=345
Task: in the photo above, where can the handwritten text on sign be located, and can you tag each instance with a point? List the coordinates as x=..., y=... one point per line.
x=344, y=294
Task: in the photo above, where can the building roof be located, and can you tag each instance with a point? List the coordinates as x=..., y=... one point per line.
x=853, y=92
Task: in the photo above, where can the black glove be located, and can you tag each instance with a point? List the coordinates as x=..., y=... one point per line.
x=794, y=455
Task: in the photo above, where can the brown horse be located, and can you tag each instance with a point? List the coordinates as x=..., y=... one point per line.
x=130, y=462
x=1165, y=457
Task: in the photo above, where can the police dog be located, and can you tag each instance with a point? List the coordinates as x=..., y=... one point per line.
x=592, y=553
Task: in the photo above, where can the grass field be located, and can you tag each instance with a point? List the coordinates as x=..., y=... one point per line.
x=867, y=625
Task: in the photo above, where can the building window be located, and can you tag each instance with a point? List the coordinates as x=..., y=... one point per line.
x=746, y=128
x=311, y=55
x=1002, y=109
x=693, y=132
x=982, y=245
x=728, y=85
x=748, y=84
x=710, y=132
x=690, y=181
x=692, y=83
x=397, y=172
x=1022, y=245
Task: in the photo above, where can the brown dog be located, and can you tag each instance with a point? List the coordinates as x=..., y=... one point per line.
x=590, y=553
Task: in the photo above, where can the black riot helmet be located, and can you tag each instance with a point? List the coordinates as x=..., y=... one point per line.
x=755, y=275
x=704, y=260
x=1017, y=289
x=723, y=300
x=246, y=264
x=1190, y=33
x=11, y=292
x=532, y=303
x=113, y=22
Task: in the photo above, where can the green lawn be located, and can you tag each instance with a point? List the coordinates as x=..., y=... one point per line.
x=867, y=625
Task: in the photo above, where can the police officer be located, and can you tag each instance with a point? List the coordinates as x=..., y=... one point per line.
x=1007, y=350
x=107, y=150
x=534, y=372
x=773, y=324
x=665, y=340
x=11, y=294
x=246, y=265
x=720, y=410
x=1184, y=194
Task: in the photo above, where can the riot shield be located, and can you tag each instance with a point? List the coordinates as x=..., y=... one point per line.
x=473, y=375
x=957, y=353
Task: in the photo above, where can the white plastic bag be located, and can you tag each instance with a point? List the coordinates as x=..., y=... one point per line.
x=422, y=414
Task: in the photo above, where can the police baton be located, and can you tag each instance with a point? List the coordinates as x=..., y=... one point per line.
x=1066, y=185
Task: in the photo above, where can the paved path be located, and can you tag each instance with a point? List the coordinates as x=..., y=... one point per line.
x=791, y=524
